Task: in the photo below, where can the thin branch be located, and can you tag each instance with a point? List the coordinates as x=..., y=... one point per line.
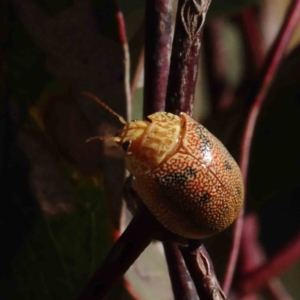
x=247, y=22
x=252, y=39
x=252, y=257
x=202, y=271
x=137, y=74
x=272, y=62
x=221, y=93
x=180, y=96
x=124, y=43
x=185, y=55
x=158, y=41
x=238, y=226
x=124, y=252
x=272, y=268
x=276, y=290
x=182, y=284
x=157, y=63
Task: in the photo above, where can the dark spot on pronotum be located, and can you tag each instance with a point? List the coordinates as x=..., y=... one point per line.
x=206, y=144
x=227, y=165
x=174, y=179
x=190, y=172
x=125, y=145
x=238, y=191
x=205, y=198
x=225, y=209
x=178, y=179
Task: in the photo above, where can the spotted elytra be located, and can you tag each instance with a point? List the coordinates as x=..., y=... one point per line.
x=181, y=172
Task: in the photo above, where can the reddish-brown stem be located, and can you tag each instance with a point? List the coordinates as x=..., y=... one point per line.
x=252, y=257
x=137, y=74
x=158, y=40
x=202, y=271
x=252, y=39
x=121, y=24
x=182, y=284
x=249, y=258
x=272, y=268
x=272, y=62
x=157, y=63
x=124, y=43
x=185, y=55
x=238, y=226
x=247, y=22
x=180, y=97
x=124, y=252
x=276, y=290
x=221, y=93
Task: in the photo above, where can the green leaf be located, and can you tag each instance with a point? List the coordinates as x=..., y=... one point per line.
x=69, y=234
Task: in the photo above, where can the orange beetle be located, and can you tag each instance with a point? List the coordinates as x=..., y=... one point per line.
x=182, y=173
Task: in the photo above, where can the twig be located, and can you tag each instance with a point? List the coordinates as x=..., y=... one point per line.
x=185, y=55
x=272, y=62
x=124, y=252
x=139, y=69
x=180, y=97
x=158, y=25
x=221, y=93
x=182, y=284
x=247, y=23
x=123, y=40
x=251, y=39
x=157, y=63
x=202, y=271
x=252, y=257
x=272, y=268
x=238, y=226
x=277, y=291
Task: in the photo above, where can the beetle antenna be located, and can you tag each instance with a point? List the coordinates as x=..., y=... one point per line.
x=101, y=138
x=97, y=100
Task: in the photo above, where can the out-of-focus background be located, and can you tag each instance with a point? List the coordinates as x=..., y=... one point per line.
x=61, y=199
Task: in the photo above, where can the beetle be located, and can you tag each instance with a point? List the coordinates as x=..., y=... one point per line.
x=182, y=173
